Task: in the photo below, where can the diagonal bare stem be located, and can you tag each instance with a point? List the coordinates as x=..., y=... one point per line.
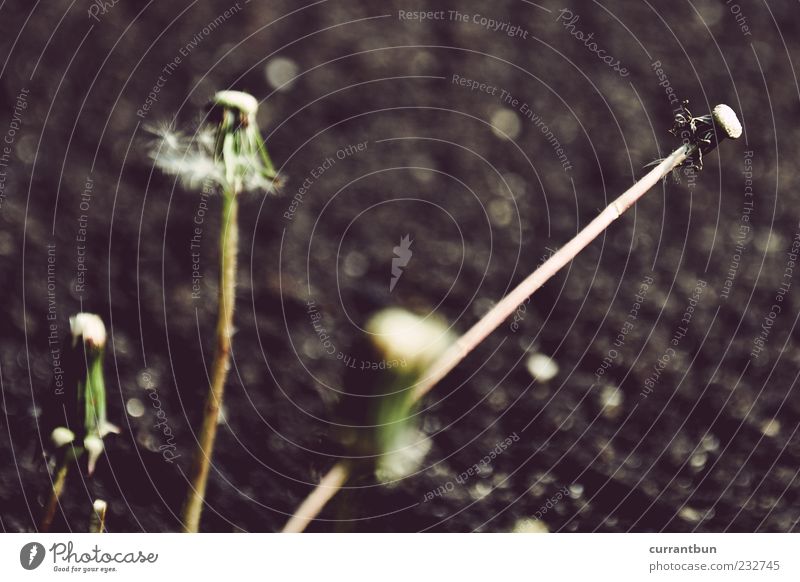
x=319, y=497
x=498, y=314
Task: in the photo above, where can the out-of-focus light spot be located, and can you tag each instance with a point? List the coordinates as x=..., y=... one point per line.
x=771, y=427
x=505, y=124
x=134, y=407
x=541, y=367
x=501, y=211
x=528, y=525
x=355, y=264
x=690, y=514
x=611, y=399
x=281, y=73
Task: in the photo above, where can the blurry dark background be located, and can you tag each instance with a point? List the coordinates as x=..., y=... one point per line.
x=481, y=191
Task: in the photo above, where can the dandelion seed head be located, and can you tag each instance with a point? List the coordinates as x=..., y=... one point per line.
x=171, y=140
x=197, y=168
x=206, y=139
x=165, y=136
x=242, y=165
x=726, y=118
x=259, y=183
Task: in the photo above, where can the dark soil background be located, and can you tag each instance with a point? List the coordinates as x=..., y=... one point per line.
x=714, y=447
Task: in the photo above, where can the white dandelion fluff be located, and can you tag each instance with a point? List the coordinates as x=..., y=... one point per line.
x=227, y=150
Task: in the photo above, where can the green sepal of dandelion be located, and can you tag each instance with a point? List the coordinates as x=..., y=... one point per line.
x=400, y=445
x=92, y=401
x=227, y=150
x=90, y=423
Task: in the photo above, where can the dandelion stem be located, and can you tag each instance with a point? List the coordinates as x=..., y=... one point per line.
x=229, y=242
x=338, y=475
x=502, y=310
x=318, y=498
x=55, y=494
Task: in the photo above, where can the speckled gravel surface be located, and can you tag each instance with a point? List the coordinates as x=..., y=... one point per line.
x=664, y=413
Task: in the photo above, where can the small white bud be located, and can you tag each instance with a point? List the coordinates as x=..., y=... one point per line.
x=726, y=119
x=62, y=436
x=90, y=328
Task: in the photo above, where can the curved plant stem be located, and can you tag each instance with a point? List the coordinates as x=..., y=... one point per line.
x=319, y=497
x=229, y=242
x=55, y=495
x=489, y=322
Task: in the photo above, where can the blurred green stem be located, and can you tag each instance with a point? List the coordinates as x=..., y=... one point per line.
x=229, y=242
